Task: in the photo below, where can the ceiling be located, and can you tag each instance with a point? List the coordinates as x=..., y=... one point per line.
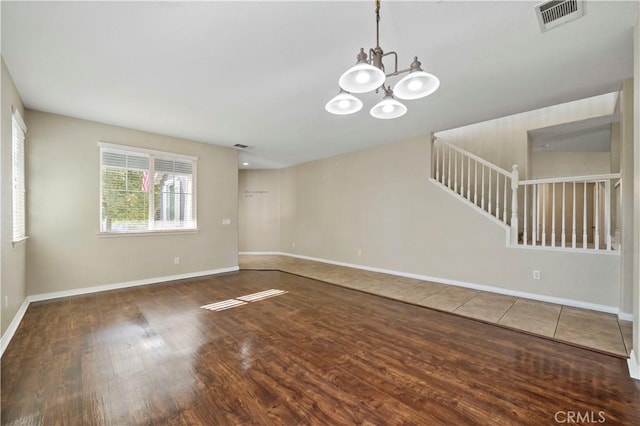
x=260, y=73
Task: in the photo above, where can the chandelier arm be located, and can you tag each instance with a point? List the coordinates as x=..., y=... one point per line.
x=398, y=72
x=377, y=23
x=395, y=55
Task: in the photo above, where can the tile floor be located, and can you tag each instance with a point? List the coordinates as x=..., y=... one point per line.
x=583, y=327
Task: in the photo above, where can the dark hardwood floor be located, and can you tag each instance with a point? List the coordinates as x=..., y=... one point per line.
x=319, y=354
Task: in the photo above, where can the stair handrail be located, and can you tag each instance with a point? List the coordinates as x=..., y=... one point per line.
x=587, y=178
x=474, y=157
x=442, y=154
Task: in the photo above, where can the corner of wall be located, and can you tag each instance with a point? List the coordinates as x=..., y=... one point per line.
x=13, y=289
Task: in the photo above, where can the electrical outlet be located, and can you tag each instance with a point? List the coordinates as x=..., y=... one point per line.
x=293, y=245
x=536, y=275
x=359, y=252
x=176, y=260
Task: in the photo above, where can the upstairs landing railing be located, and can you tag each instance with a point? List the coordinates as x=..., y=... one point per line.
x=571, y=212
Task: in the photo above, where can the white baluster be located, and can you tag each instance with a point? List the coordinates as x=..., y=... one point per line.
x=449, y=169
x=534, y=219
x=442, y=172
x=482, y=187
x=455, y=171
x=497, y=195
x=514, y=204
x=504, y=209
x=468, y=178
x=584, y=217
x=607, y=212
x=596, y=221
x=544, y=215
x=489, y=188
x=553, y=215
x=564, y=202
x=436, y=147
x=462, y=176
x=573, y=216
x=525, y=213
x=475, y=185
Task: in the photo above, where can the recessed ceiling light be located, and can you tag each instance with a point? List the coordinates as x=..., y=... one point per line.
x=245, y=164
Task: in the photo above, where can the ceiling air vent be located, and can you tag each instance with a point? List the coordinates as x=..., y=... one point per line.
x=557, y=12
x=241, y=146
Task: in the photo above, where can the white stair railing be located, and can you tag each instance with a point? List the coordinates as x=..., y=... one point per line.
x=571, y=212
x=478, y=181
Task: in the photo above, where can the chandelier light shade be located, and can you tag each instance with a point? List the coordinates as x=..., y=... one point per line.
x=343, y=103
x=417, y=84
x=369, y=74
x=361, y=77
x=388, y=107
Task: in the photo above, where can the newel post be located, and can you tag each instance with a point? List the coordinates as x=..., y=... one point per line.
x=514, y=204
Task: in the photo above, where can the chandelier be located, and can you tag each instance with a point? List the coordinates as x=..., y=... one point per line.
x=369, y=74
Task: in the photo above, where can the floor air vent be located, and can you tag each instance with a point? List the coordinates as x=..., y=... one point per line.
x=557, y=12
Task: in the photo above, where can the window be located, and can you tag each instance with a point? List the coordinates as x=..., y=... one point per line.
x=18, y=131
x=146, y=191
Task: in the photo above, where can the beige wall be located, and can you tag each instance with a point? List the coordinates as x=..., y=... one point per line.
x=379, y=201
x=636, y=200
x=65, y=251
x=259, y=210
x=564, y=164
x=12, y=268
x=627, y=193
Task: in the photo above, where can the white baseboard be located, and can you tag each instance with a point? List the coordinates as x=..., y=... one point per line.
x=625, y=316
x=474, y=286
x=13, y=326
x=135, y=283
x=8, y=335
x=262, y=253
x=634, y=368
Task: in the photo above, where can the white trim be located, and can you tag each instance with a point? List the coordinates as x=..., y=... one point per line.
x=148, y=233
x=13, y=326
x=8, y=334
x=19, y=240
x=507, y=228
x=533, y=296
x=634, y=368
x=625, y=316
x=263, y=253
x=135, y=283
x=474, y=157
x=578, y=179
x=16, y=115
x=160, y=154
x=567, y=249
x=472, y=205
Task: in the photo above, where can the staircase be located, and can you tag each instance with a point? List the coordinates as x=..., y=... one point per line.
x=573, y=213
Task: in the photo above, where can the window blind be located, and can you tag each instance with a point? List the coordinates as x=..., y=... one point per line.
x=18, y=131
x=146, y=191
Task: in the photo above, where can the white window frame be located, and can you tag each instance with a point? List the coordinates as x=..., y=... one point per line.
x=18, y=135
x=152, y=155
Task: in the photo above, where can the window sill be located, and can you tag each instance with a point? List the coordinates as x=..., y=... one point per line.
x=147, y=233
x=18, y=242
